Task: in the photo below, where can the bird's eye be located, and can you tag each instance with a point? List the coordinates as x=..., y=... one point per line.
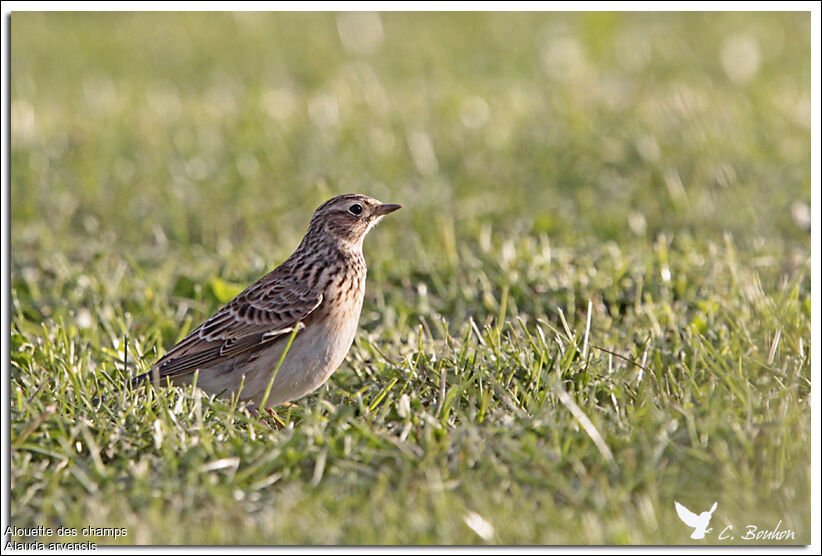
x=355, y=209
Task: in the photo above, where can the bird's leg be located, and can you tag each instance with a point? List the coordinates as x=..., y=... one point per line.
x=278, y=423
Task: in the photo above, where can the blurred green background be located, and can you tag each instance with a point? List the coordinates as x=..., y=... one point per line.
x=161, y=160
x=587, y=127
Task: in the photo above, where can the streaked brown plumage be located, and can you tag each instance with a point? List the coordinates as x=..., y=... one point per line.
x=318, y=289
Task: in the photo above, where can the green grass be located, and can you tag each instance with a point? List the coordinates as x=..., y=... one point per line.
x=632, y=182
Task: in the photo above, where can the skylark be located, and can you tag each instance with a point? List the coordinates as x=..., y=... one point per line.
x=317, y=292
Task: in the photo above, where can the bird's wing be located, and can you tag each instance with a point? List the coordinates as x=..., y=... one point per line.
x=687, y=516
x=268, y=309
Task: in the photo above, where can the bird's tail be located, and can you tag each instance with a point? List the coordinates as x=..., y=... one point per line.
x=149, y=376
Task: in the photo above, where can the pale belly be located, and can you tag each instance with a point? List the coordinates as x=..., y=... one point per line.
x=314, y=355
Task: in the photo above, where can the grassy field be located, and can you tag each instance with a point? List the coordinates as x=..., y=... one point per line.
x=633, y=182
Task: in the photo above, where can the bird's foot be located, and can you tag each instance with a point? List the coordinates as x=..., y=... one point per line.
x=274, y=420
x=279, y=424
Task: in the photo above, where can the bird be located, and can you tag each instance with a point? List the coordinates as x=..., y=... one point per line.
x=310, y=304
x=698, y=522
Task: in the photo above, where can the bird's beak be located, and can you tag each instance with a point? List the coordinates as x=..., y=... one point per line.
x=385, y=209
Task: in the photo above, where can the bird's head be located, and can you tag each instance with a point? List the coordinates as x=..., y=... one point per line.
x=348, y=218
